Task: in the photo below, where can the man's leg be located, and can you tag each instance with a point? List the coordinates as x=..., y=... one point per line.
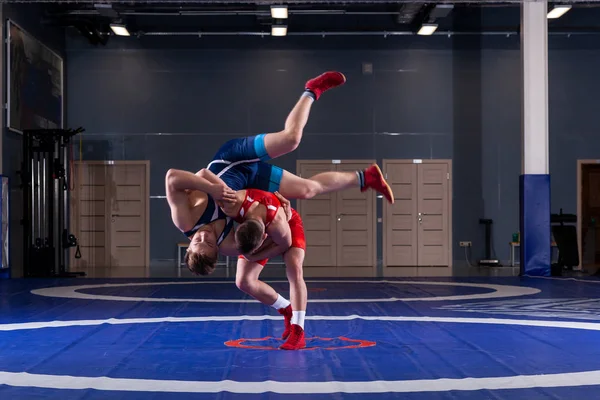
x=294, y=187
x=286, y=141
x=246, y=279
x=247, y=150
x=294, y=258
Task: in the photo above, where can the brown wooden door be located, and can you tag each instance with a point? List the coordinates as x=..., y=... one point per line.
x=88, y=217
x=590, y=219
x=318, y=216
x=400, y=219
x=417, y=227
x=109, y=216
x=340, y=227
x=356, y=234
x=433, y=212
x=127, y=218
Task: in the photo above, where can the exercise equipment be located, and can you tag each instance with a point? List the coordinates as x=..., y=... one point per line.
x=565, y=237
x=45, y=179
x=488, y=261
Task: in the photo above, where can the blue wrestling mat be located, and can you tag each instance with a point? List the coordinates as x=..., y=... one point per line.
x=517, y=338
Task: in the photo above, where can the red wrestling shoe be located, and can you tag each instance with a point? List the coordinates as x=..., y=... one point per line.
x=287, y=320
x=374, y=180
x=324, y=82
x=296, y=339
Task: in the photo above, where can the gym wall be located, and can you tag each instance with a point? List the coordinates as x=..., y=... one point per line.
x=453, y=98
x=456, y=97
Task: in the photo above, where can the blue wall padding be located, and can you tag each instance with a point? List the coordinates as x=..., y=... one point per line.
x=536, y=250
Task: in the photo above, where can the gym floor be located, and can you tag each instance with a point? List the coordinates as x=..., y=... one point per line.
x=504, y=338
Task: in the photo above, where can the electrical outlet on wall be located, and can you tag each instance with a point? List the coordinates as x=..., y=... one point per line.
x=465, y=244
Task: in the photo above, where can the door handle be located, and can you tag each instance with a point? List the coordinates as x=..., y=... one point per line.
x=339, y=217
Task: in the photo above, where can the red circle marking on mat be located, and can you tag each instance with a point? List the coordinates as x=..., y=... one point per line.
x=243, y=343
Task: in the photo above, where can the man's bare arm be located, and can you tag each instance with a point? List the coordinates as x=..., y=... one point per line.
x=178, y=202
x=285, y=204
x=269, y=251
x=228, y=247
x=228, y=204
x=180, y=181
x=209, y=176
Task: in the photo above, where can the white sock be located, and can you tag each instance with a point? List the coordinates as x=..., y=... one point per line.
x=298, y=318
x=309, y=94
x=281, y=302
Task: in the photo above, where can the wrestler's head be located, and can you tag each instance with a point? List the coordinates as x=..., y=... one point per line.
x=249, y=235
x=203, y=252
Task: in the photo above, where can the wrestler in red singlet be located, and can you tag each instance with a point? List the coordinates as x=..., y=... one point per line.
x=272, y=204
x=267, y=199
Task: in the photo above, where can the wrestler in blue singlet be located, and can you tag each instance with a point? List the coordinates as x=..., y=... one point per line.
x=240, y=163
x=212, y=213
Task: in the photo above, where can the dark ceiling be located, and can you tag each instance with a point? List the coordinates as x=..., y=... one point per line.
x=307, y=17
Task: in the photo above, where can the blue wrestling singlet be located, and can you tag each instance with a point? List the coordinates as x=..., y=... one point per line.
x=212, y=213
x=240, y=163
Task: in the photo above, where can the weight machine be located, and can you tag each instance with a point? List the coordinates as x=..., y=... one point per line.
x=488, y=261
x=565, y=237
x=46, y=179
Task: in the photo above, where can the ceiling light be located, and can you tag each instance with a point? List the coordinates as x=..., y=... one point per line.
x=279, y=12
x=558, y=11
x=427, y=29
x=278, y=30
x=119, y=29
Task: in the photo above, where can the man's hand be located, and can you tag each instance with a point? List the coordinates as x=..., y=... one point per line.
x=229, y=208
x=285, y=204
x=217, y=188
x=221, y=192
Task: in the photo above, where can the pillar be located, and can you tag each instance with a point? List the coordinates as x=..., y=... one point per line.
x=535, y=179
